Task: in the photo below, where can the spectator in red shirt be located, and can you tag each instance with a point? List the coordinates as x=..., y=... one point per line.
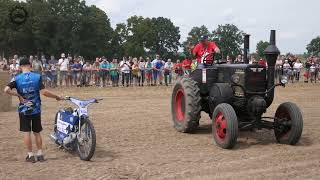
x=204, y=51
x=262, y=62
x=186, y=65
x=178, y=69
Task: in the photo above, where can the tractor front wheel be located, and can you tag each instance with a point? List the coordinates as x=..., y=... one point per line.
x=185, y=105
x=225, y=126
x=288, y=124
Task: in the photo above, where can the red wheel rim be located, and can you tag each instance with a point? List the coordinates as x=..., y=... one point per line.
x=180, y=105
x=220, y=126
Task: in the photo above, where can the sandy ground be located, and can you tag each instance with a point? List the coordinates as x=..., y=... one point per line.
x=136, y=140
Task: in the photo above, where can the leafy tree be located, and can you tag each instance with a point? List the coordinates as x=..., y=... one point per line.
x=13, y=38
x=261, y=46
x=55, y=26
x=165, y=37
x=95, y=34
x=118, y=39
x=137, y=35
x=66, y=23
x=141, y=36
x=194, y=36
x=229, y=39
x=314, y=46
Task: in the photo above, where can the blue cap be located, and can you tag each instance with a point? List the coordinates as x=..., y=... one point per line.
x=204, y=37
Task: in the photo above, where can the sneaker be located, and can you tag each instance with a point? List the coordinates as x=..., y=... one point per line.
x=40, y=158
x=30, y=159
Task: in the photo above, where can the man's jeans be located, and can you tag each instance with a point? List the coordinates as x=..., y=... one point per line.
x=142, y=77
x=166, y=76
x=125, y=78
x=155, y=76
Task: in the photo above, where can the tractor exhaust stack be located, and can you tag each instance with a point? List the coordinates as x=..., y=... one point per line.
x=246, y=49
x=271, y=53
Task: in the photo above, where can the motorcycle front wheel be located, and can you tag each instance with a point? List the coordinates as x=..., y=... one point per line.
x=86, y=141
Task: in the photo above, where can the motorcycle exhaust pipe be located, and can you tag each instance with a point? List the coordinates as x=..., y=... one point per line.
x=53, y=137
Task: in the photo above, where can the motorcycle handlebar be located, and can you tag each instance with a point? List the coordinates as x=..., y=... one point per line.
x=67, y=98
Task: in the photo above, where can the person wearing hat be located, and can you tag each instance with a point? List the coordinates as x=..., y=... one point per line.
x=64, y=67
x=29, y=86
x=204, y=51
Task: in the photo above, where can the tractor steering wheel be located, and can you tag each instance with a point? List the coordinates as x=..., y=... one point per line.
x=204, y=59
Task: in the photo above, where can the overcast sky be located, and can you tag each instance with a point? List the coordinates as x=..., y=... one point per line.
x=296, y=21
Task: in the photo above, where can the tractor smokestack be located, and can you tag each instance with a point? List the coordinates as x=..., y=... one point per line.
x=273, y=37
x=271, y=53
x=246, y=49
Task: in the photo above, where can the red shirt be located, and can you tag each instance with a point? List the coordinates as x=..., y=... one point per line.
x=178, y=69
x=262, y=62
x=187, y=63
x=178, y=66
x=200, y=49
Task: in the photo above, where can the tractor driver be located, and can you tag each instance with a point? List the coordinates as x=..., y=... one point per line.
x=204, y=50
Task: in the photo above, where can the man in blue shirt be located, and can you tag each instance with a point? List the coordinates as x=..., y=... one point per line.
x=76, y=71
x=28, y=86
x=104, y=72
x=157, y=68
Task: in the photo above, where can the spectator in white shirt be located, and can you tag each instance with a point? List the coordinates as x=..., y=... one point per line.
x=279, y=63
x=86, y=74
x=64, y=66
x=297, y=66
x=142, y=65
x=168, y=67
x=125, y=71
x=16, y=59
x=14, y=68
x=287, y=71
x=37, y=66
x=31, y=59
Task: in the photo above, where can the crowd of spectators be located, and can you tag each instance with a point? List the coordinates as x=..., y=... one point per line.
x=292, y=67
x=75, y=71
x=130, y=71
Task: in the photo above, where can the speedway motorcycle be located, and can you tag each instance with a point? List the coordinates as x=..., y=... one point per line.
x=73, y=129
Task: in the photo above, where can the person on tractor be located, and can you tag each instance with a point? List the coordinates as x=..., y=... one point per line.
x=204, y=52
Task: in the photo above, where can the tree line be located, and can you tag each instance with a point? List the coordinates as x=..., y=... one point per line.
x=71, y=26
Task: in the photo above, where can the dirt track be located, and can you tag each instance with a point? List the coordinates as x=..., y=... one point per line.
x=136, y=140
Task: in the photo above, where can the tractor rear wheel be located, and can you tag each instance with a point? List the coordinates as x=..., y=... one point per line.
x=288, y=123
x=225, y=126
x=185, y=105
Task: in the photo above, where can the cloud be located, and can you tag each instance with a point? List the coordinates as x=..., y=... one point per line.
x=283, y=35
x=252, y=22
x=250, y=16
x=110, y=6
x=228, y=15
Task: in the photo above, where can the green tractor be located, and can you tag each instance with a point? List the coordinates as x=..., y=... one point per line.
x=235, y=96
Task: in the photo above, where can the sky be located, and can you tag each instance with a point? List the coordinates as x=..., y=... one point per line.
x=296, y=21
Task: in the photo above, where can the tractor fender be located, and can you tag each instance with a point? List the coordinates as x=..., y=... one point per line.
x=220, y=93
